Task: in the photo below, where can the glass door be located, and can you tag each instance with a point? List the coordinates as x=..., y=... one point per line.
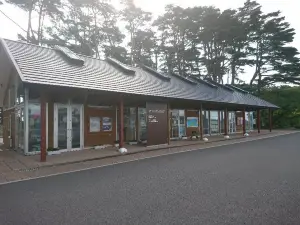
x=232, y=125
x=214, y=122
x=175, y=124
x=76, y=127
x=68, y=126
x=61, y=129
x=182, y=131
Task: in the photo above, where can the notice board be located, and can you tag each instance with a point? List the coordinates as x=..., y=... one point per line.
x=157, y=123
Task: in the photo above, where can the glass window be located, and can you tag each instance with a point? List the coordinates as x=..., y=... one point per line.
x=94, y=124
x=20, y=128
x=182, y=131
x=206, y=122
x=214, y=122
x=222, y=128
x=177, y=123
x=34, y=127
x=232, y=122
x=129, y=124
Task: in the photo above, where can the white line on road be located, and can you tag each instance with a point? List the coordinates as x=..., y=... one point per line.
x=149, y=157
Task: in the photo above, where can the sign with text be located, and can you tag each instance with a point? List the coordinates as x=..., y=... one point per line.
x=157, y=121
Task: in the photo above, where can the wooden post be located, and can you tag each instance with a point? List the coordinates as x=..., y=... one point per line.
x=219, y=121
x=244, y=122
x=201, y=122
x=209, y=128
x=270, y=120
x=137, y=123
x=225, y=122
x=169, y=122
x=121, y=116
x=185, y=121
x=43, y=128
x=258, y=120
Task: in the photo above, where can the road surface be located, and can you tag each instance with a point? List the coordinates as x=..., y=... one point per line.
x=248, y=183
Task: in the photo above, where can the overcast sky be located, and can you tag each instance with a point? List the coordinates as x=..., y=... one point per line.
x=289, y=8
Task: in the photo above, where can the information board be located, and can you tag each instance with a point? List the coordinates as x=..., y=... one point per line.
x=157, y=123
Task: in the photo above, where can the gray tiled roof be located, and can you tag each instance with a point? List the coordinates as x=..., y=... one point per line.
x=42, y=65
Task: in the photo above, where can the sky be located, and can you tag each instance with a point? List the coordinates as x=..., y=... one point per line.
x=289, y=9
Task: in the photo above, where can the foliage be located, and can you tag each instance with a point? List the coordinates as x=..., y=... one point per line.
x=201, y=41
x=288, y=99
x=142, y=40
x=43, y=9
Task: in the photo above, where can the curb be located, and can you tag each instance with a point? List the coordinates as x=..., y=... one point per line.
x=140, y=151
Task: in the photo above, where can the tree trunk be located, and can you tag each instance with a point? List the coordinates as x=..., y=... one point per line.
x=39, y=33
x=233, y=73
x=29, y=24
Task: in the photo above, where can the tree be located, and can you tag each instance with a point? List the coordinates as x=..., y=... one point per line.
x=268, y=36
x=42, y=8
x=88, y=27
x=72, y=29
x=175, y=31
x=136, y=20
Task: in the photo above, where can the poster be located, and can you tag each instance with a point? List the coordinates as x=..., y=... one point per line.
x=192, y=121
x=107, y=124
x=94, y=124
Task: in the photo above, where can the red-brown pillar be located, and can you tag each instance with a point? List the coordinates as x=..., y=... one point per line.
x=270, y=120
x=258, y=120
x=209, y=127
x=169, y=123
x=121, y=116
x=219, y=121
x=201, y=122
x=244, y=121
x=225, y=122
x=43, y=129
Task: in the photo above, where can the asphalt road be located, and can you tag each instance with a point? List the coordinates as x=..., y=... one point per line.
x=248, y=183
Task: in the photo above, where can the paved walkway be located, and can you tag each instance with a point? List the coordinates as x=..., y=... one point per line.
x=14, y=166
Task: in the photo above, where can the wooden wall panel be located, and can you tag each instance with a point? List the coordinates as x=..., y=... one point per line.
x=157, y=122
x=102, y=137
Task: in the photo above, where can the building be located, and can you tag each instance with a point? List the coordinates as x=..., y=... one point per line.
x=54, y=98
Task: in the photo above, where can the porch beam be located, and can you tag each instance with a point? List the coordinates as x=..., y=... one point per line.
x=258, y=121
x=43, y=128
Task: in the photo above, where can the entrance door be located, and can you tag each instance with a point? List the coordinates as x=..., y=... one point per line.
x=175, y=124
x=68, y=126
x=232, y=125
